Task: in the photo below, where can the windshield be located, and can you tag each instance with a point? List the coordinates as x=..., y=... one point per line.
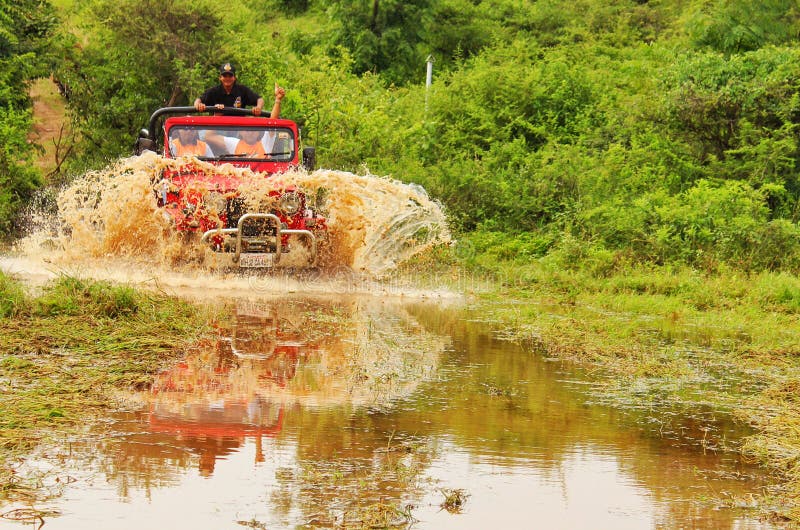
x=226, y=143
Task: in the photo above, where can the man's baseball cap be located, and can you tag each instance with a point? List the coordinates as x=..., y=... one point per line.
x=227, y=68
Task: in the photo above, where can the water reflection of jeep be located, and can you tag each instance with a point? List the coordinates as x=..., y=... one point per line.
x=219, y=396
x=227, y=390
x=209, y=203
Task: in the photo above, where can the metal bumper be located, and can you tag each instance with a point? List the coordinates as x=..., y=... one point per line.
x=237, y=234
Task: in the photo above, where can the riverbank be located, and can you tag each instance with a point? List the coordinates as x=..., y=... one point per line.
x=67, y=350
x=663, y=338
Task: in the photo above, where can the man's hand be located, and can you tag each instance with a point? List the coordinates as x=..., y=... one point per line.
x=199, y=105
x=280, y=93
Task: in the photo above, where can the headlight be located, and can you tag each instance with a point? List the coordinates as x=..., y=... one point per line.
x=216, y=203
x=289, y=203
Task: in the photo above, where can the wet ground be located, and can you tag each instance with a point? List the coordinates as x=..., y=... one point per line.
x=357, y=412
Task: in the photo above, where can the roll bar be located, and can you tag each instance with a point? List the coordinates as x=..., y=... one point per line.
x=228, y=111
x=147, y=140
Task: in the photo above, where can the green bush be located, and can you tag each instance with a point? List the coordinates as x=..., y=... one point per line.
x=725, y=222
x=739, y=113
x=19, y=178
x=736, y=26
x=141, y=55
x=25, y=29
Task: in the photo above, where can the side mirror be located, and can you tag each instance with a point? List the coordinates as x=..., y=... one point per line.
x=309, y=158
x=142, y=145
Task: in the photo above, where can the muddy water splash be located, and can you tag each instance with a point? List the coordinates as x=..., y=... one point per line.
x=375, y=223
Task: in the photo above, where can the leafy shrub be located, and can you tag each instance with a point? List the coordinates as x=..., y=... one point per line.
x=726, y=222
x=25, y=29
x=739, y=113
x=19, y=178
x=142, y=55
x=510, y=247
x=736, y=26
x=572, y=254
x=382, y=36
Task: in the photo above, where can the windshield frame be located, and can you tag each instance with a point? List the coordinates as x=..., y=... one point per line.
x=279, y=142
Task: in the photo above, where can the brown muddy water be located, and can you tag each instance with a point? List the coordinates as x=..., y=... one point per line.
x=354, y=411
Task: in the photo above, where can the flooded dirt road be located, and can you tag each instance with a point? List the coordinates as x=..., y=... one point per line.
x=353, y=411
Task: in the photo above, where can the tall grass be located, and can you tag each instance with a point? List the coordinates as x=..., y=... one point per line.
x=12, y=296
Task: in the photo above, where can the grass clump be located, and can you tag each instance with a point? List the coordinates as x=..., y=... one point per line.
x=73, y=296
x=379, y=515
x=454, y=499
x=12, y=296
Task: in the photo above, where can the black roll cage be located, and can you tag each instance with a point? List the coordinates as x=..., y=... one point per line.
x=148, y=138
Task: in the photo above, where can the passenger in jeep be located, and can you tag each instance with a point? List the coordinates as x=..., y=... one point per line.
x=250, y=143
x=185, y=141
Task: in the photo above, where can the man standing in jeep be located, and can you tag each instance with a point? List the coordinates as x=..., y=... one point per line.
x=229, y=93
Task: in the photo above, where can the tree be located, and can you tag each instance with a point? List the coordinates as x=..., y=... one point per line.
x=25, y=27
x=736, y=26
x=142, y=54
x=383, y=36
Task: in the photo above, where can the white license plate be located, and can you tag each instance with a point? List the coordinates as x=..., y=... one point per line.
x=256, y=260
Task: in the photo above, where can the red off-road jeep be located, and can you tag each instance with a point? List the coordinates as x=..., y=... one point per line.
x=209, y=203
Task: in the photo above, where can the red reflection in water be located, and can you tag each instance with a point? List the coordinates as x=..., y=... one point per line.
x=218, y=397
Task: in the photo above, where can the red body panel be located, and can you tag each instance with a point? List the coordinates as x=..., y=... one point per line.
x=183, y=194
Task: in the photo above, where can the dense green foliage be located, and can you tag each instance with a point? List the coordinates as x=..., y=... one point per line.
x=381, y=35
x=25, y=27
x=141, y=55
x=657, y=132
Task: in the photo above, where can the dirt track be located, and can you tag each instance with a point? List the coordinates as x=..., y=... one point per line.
x=50, y=130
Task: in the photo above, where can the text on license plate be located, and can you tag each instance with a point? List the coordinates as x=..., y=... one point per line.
x=256, y=260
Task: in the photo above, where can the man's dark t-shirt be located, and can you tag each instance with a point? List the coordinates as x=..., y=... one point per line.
x=216, y=95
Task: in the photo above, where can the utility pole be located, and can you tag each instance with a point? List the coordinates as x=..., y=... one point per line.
x=428, y=79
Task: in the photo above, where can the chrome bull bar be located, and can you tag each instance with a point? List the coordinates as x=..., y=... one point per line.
x=279, y=233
